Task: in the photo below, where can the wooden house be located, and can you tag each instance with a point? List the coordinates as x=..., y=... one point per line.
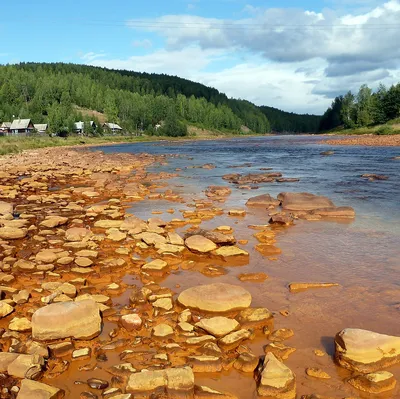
x=22, y=126
x=41, y=128
x=5, y=128
x=112, y=127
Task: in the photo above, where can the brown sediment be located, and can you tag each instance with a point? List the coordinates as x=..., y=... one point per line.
x=366, y=140
x=99, y=253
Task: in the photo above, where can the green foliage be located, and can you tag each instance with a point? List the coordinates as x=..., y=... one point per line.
x=384, y=130
x=46, y=93
x=173, y=127
x=288, y=122
x=364, y=109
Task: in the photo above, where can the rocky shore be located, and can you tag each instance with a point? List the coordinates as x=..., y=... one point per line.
x=84, y=311
x=366, y=140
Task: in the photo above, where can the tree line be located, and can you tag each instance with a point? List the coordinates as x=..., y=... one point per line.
x=366, y=108
x=289, y=122
x=49, y=93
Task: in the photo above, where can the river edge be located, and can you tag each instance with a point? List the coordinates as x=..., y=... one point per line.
x=333, y=139
x=100, y=282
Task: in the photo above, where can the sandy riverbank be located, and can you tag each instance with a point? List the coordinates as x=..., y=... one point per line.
x=366, y=140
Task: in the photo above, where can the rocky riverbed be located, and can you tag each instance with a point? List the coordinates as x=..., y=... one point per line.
x=367, y=140
x=85, y=310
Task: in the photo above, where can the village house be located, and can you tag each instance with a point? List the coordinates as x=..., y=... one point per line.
x=22, y=126
x=79, y=127
x=112, y=127
x=41, y=128
x=5, y=128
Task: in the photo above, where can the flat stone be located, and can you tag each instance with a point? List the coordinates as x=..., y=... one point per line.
x=218, y=326
x=215, y=298
x=233, y=339
x=378, y=382
x=170, y=382
x=281, y=335
x=157, y=265
x=229, y=251
x=53, y=221
x=264, y=200
x=281, y=351
x=204, y=392
x=163, y=303
x=20, y=324
x=46, y=256
x=12, y=233
x=366, y=351
x=108, y=224
x=205, y=364
x=162, y=331
x=317, y=373
x=83, y=262
x=79, y=320
x=81, y=353
x=276, y=380
x=200, y=244
x=26, y=366
x=304, y=201
x=5, y=309
x=151, y=238
x=37, y=390
x=297, y=287
x=76, y=234
x=256, y=318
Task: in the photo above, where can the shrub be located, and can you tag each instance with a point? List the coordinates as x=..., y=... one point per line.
x=384, y=130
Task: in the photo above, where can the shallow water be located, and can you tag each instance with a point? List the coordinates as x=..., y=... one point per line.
x=363, y=256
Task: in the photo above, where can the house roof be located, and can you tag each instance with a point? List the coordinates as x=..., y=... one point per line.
x=79, y=125
x=113, y=126
x=20, y=124
x=6, y=124
x=41, y=126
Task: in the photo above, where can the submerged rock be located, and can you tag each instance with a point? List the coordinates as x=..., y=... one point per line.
x=172, y=382
x=378, y=382
x=276, y=380
x=366, y=351
x=215, y=298
x=296, y=287
x=304, y=201
x=264, y=200
x=79, y=320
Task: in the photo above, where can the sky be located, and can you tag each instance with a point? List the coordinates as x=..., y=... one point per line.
x=296, y=55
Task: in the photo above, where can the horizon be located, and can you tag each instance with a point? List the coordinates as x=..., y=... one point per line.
x=299, y=63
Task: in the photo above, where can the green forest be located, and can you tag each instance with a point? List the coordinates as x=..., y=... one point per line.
x=282, y=121
x=364, y=109
x=51, y=93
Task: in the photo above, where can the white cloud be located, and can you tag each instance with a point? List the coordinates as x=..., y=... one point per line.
x=91, y=56
x=293, y=59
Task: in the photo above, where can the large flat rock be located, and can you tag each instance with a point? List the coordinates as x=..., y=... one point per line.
x=175, y=383
x=37, y=390
x=215, y=298
x=366, y=351
x=304, y=201
x=79, y=320
x=264, y=200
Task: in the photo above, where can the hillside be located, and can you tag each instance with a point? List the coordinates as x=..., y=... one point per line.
x=59, y=94
x=288, y=122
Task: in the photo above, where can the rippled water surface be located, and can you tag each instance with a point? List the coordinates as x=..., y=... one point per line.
x=363, y=255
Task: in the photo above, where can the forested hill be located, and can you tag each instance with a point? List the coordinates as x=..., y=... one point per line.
x=288, y=122
x=49, y=93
